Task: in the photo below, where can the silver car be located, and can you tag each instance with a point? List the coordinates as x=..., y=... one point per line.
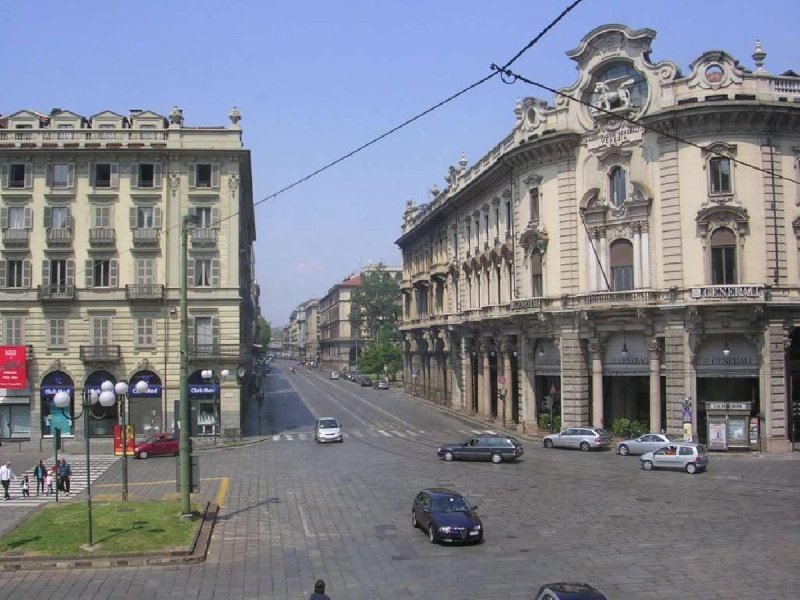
x=585, y=438
x=648, y=442
x=687, y=456
x=327, y=429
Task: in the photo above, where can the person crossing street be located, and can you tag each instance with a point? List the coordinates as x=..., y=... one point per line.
x=6, y=475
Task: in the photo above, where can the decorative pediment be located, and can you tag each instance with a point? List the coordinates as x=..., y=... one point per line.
x=711, y=217
x=714, y=70
x=719, y=149
x=592, y=200
x=534, y=238
x=530, y=113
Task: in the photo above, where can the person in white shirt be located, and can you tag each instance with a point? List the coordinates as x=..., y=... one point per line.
x=6, y=475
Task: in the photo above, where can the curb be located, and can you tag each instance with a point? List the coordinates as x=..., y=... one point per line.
x=196, y=553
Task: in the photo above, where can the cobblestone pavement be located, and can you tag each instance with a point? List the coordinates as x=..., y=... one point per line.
x=295, y=511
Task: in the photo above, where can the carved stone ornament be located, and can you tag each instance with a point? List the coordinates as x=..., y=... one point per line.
x=174, y=183
x=713, y=217
x=653, y=347
x=507, y=345
x=715, y=70
x=595, y=348
x=55, y=365
x=233, y=182
x=534, y=238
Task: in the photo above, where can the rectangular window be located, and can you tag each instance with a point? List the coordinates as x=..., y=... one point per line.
x=534, y=204
x=202, y=272
x=203, y=176
x=16, y=176
x=102, y=272
x=146, y=176
x=203, y=214
x=101, y=216
x=720, y=173
x=145, y=270
x=56, y=333
x=61, y=176
x=13, y=331
x=14, y=270
x=622, y=278
x=486, y=227
x=508, y=217
x=145, y=332
x=58, y=274
x=102, y=175
x=16, y=217
x=59, y=217
x=15, y=421
x=144, y=217
x=497, y=221
x=101, y=331
x=723, y=265
x=203, y=332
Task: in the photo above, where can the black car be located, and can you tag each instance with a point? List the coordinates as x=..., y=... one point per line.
x=364, y=381
x=446, y=516
x=496, y=448
x=569, y=591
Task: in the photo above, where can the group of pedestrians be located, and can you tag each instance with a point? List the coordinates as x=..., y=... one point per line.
x=60, y=474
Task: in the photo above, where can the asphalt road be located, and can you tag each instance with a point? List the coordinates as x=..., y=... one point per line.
x=296, y=511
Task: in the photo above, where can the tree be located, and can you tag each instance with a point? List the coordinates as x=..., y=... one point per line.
x=375, y=305
x=379, y=354
x=263, y=332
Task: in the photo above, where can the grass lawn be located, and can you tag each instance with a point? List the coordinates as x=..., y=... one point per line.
x=118, y=527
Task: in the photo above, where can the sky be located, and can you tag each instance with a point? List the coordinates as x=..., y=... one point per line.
x=316, y=79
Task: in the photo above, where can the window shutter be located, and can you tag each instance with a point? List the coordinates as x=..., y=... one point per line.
x=49, y=176
x=190, y=333
x=69, y=218
x=26, y=273
x=215, y=176
x=70, y=272
x=215, y=218
x=135, y=175
x=215, y=272
x=47, y=217
x=28, y=218
x=5, y=177
x=157, y=217
x=114, y=175
x=113, y=275
x=134, y=214
x=92, y=174
x=71, y=179
x=192, y=175
x=215, y=331
x=88, y=266
x=2, y=273
x=3, y=218
x=45, y=273
x=157, y=175
x=190, y=272
x=28, y=175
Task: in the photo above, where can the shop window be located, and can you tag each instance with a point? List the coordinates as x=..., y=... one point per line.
x=621, y=265
x=537, y=287
x=617, y=186
x=723, y=257
x=719, y=172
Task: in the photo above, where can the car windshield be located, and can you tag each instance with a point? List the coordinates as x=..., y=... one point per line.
x=701, y=450
x=328, y=424
x=603, y=431
x=673, y=438
x=450, y=504
x=153, y=438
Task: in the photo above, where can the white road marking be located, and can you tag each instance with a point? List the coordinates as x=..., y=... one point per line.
x=398, y=433
x=383, y=433
x=276, y=438
x=304, y=521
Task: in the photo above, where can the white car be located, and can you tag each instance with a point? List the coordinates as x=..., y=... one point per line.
x=649, y=442
x=334, y=374
x=327, y=429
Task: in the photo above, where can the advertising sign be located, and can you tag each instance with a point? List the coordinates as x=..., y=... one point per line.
x=717, y=436
x=13, y=367
x=129, y=440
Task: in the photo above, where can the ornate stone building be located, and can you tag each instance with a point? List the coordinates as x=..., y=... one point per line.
x=91, y=213
x=632, y=254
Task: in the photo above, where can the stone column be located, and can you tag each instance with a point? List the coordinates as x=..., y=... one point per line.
x=603, y=251
x=655, y=384
x=507, y=347
x=637, y=257
x=466, y=362
x=774, y=419
x=574, y=380
x=485, y=399
x=596, y=352
x=645, y=257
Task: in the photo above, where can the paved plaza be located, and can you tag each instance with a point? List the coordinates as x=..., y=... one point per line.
x=294, y=511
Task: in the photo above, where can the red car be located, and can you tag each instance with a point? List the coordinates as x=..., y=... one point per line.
x=160, y=444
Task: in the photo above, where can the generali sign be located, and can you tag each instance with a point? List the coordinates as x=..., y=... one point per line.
x=13, y=367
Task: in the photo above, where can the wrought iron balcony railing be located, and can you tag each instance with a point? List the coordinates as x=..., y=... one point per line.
x=109, y=353
x=144, y=291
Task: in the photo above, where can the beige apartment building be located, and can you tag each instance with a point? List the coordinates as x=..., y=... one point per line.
x=629, y=250
x=91, y=213
x=340, y=344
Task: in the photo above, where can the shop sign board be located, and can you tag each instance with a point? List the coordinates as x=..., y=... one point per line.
x=13, y=367
x=727, y=406
x=727, y=291
x=717, y=436
x=130, y=442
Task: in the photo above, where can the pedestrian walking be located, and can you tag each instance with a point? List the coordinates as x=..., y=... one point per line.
x=319, y=591
x=26, y=487
x=40, y=473
x=6, y=475
x=48, y=481
x=65, y=472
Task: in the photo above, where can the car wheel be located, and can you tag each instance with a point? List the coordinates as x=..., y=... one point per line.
x=585, y=446
x=448, y=456
x=431, y=535
x=414, y=519
x=496, y=458
x=624, y=450
x=647, y=465
x=143, y=455
x=691, y=468
x=548, y=443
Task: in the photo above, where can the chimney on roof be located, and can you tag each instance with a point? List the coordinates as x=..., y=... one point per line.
x=55, y=111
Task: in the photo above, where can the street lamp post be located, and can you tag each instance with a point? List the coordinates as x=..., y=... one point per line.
x=188, y=223
x=61, y=400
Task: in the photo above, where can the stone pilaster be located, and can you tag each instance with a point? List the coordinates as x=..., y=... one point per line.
x=676, y=355
x=774, y=419
x=671, y=239
x=596, y=355
x=654, y=349
x=574, y=380
x=569, y=228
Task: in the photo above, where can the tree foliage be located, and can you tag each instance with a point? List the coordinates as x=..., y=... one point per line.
x=381, y=353
x=375, y=305
x=263, y=332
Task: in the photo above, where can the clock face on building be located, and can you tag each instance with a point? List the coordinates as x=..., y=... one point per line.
x=618, y=87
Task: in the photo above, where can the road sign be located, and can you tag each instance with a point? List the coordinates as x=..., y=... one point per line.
x=501, y=380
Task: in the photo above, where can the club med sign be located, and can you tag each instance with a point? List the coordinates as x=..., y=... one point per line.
x=13, y=367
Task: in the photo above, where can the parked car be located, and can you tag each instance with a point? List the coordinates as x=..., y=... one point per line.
x=689, y=456
x=569, y=591
x=334, y=374
x=159, y=444
x=327, y=429
x=585, y=438
x=381, y=384
x=446, y=516
x=645, y=443
x=496, y=448
x=364, y=381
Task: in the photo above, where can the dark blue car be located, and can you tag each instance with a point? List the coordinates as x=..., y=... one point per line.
x=446, y=516
x=569, y=591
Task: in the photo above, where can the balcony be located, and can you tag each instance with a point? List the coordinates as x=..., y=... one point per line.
x=214, y=351
x=204, y=236
x=56, y=292
x=145, y=237
x=102, y=237
x=16, y=238
x=59, y=236
x=144, y=291
x=101, y=353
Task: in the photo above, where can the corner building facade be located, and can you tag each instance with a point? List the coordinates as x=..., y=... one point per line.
x=91, y=213
x=621, y=257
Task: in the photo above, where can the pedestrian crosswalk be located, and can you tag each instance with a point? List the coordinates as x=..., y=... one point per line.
x=451, y=435
x=99, y=464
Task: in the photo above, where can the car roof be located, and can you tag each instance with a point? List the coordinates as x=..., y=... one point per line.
x=573, y=590
x=327, y=419
x=441, y=492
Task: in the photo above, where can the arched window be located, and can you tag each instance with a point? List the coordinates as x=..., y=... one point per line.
x=537, y=288
x=621, y=265
x=723, y=257
x=617, y=190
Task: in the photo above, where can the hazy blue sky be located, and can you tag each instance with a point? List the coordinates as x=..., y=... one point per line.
x=316, y=79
